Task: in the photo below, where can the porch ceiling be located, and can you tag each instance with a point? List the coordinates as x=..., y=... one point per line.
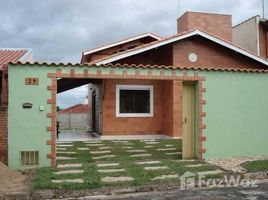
x=65, y=84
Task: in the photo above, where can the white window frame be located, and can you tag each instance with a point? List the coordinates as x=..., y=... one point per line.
x=134, y=87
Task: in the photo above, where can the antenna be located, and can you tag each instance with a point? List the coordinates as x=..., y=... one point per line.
x=179, y=4
x=263, y=9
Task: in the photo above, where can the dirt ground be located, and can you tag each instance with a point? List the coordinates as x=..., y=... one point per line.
x=15, y=181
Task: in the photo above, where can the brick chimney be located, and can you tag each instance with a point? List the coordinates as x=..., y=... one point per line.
x=219, y=25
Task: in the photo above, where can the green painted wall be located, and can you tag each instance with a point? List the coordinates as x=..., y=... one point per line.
x=27, y=127
x=237, y=114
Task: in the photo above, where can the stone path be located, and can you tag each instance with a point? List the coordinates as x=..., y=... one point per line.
x=127, y=147
x=92, y=142
x=66, y=152
x=168, y=176
x=68, y=181
x=156, y=168
x=65, y=158
x=75, y=165
x=141, y=155
x=104, y=156
x=83, y=149
x=102, y=148
x=173, y=153
x=148, y=146
x=169, y=145
x=110, y=179
x=61, y=149
x=107, y=164
x=110, y=170
x=212, y=172
x=75, y=171
x=64, y=145
x=136, y=151
x=148, y=162
x=166, y=149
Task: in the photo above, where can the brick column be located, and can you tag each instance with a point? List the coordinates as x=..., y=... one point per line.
x=3, y=118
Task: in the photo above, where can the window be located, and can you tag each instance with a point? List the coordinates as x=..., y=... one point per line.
x=29, y=158
x=134, y=101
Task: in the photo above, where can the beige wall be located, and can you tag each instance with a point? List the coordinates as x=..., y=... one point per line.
x=246, y=35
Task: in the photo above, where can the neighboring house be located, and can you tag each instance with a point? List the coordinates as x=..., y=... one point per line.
x=252, y=34
x=74, y=117
x=197, y=85
x=8, y=55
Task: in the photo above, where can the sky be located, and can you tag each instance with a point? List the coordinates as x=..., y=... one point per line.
x=59, y=30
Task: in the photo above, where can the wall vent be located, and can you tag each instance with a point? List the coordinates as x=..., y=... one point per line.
x=29, y=158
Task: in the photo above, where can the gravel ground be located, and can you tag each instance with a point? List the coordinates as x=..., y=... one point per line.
x=233, y=164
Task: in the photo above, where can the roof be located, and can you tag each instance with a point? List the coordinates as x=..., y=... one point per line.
x=13, y=55
x=184, y=35
x=199, y=68
x=78, y=108
x=130, y=39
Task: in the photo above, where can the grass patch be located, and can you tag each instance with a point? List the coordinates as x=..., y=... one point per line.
x=256, y=166
x=92, y=178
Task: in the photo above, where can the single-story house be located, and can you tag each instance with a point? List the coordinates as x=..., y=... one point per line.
x=198, y=85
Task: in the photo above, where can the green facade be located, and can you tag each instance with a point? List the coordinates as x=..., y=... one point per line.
x=236, y=114
x=27, y=127
x=236, y=111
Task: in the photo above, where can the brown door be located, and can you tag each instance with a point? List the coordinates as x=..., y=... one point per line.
x=188, y=122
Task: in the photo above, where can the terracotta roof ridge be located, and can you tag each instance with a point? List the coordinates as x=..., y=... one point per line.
x=142, y=46
x=201, y=68
x=122, y=40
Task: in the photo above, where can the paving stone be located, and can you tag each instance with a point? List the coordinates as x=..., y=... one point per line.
x=110, y=170
x=107, y=164
x=212, y=172
x=156, y=168
x=195, y=165
x=173, y=153
x=68, y=181
x=66, y=152
x=110, y=179
x=75, y=171
x=82, y=148
x=168, y=176
x=148, y=162
x=169, y=145
x=99, y=152
x=92, y=142
x=185, y=160
x=61, y=149
x=148, y=140
x=102, y=148
x=94, y=145
x=127, y=147
x=141, y=155
x=126, y=144
x=148, y=146
x=65, y=145
x=64, y=142
x=65, y=158
x=136, y=151
x=71, y=165
x=151, y=142
x=120, y=141
x=104, y=156
x=166, y=149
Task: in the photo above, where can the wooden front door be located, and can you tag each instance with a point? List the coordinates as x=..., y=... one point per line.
x=188, y=122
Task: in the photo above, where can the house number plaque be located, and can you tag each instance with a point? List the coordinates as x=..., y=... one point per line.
x=31, y=81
